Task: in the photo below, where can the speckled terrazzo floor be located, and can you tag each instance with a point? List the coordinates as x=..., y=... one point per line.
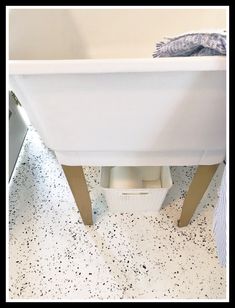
x=52, y=255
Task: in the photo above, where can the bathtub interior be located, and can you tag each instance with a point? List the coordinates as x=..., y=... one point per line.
x=53, y=34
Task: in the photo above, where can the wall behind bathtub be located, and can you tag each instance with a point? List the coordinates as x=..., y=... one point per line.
x=101, y=33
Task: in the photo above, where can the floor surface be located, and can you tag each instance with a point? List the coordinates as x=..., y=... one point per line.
x=52, y=255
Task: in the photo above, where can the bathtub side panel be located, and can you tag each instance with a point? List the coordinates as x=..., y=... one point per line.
x=153, y=112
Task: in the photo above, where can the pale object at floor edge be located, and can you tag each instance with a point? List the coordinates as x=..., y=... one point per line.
x=219, y=222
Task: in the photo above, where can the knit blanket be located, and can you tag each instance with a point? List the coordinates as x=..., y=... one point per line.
x=193, y=44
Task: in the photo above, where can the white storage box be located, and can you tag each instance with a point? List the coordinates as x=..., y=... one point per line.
x=137, y=199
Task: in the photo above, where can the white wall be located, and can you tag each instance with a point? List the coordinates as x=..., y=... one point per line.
x=101, y=33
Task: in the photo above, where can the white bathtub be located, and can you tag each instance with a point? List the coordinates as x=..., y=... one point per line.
x=108, y=102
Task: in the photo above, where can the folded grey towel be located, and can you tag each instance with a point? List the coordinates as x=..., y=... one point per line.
x=194, y=44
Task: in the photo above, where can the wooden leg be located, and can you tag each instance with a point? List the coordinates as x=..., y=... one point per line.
x=78, y=186
x=198, y=187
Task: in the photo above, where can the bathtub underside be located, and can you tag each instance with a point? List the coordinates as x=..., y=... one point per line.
x=167, y=158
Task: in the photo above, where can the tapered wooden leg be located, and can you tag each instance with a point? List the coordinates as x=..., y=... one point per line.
x=198, y=187
x=78, y=186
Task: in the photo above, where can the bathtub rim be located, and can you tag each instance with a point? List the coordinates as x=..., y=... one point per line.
x=128, y=65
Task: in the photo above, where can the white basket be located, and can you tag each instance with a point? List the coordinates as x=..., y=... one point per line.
x=137, y=199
